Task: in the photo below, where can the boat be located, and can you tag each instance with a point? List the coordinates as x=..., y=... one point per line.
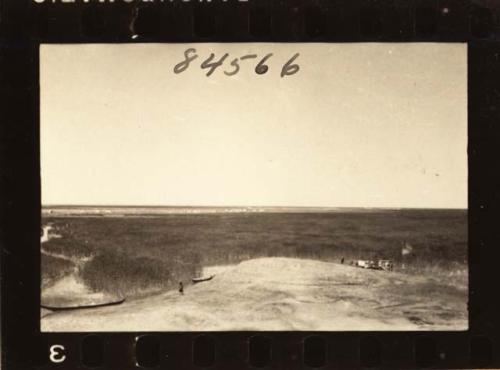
x=200, y=279
x=81, y=307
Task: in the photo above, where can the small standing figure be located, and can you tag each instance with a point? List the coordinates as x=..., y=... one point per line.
x=342, y=260
x=181, y=287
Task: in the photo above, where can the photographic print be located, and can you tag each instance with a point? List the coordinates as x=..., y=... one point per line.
x=254, y=187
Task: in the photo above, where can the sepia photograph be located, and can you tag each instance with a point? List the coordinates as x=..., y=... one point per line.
x=254, y=187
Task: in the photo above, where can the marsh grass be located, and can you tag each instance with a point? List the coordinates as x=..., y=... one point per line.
x=452, y=273
x=53, y=269
x=137, y=254
x=120, y=274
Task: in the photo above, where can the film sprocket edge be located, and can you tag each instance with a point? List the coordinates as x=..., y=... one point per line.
x=249, y=184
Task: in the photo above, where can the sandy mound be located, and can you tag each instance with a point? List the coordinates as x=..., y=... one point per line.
x=284, y=294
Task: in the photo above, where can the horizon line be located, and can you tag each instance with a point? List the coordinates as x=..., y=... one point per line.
x=243, y=206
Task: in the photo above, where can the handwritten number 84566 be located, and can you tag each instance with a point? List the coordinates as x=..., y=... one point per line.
x=212, y=63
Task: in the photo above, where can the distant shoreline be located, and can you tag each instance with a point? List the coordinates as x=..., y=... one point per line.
x=78, y=210
x=234, y=206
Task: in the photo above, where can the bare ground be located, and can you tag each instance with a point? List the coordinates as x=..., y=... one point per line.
x=284, y=294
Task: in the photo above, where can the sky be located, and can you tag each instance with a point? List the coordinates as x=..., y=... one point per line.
x=359, y=125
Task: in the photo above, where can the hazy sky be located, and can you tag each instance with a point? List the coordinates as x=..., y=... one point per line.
x=368, y=125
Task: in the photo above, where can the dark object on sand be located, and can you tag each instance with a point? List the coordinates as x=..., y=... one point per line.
x=181, y=288
x=342, y=260
x=67, y=308
x=200, y=279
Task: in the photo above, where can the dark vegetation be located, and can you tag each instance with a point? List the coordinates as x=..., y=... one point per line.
x=54, y=268
x=122, y=275
x=137, y=253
